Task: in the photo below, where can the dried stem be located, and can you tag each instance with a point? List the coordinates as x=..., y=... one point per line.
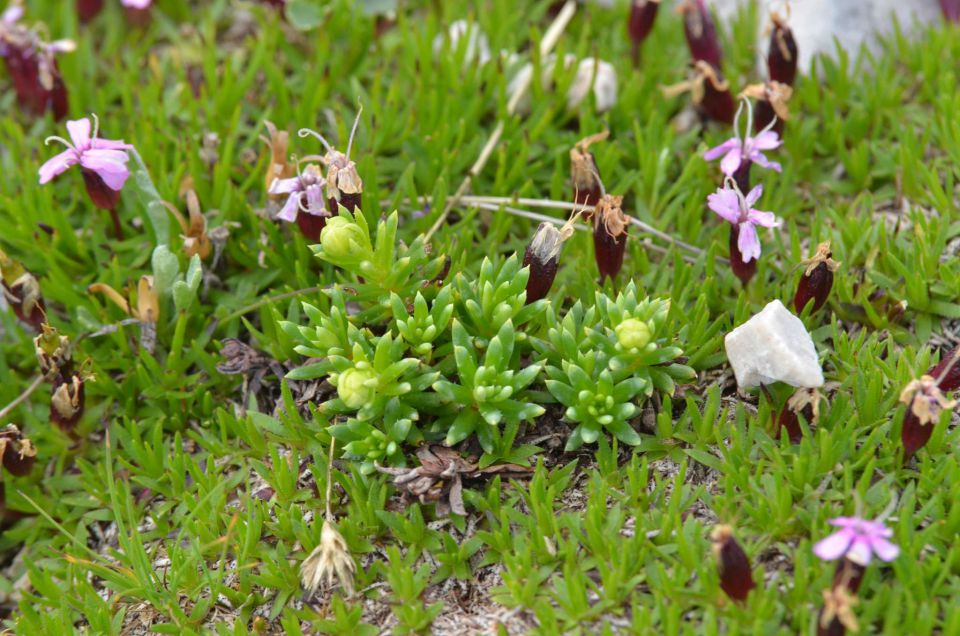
x=550, y=39
x=22, y=397
x=333, y=444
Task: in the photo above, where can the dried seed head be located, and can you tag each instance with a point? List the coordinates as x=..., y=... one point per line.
x=805, y=402
x=67, y=401
x=701, y=33
x=195, y=238
x=148, y=301
x=329, y=563
x=609, y=235
x=278, y=165
x=53, y=352
x=643, y=13
x=925, y=400
x=542, y=256
x=782, y=53
x=344, y=186
x=817, y=279
x=22, y=291
x=733, y=565
x=837, y=614
x=16, y=452
x=587, y=185
x=772, y=109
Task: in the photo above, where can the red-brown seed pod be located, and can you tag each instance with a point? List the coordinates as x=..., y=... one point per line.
x=951, y=10
x=743, y=270
x=733, y=565
x=947, y=371
x=924, y=402
x=67, y=400
x=805, y=402
x=22, y=292
x=782, y=53
x=837, y=616
x=312, y=224
x=587, y=185
x=102, y=195
x=817, y=279
x=701, y=33
x=542, y=256
x=848, y=575
x=609, y=235
x=643, y=14
x=88, y=9
x=713, y=98
x=16, y=452
x=772, y=110
x=741, y=176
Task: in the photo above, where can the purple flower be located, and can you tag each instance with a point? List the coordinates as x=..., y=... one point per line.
x=107, y=158
x=857, y=540
x=12, y=14
x=730, y=204
x=736, y=150
x=306, y=194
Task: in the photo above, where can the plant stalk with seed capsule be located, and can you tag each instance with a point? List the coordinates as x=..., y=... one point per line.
x=701, y=33
x=643, y=14
x=782, y=52
x=817, y=279
x=733, y=565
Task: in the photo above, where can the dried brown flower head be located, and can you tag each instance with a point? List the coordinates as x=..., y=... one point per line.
x=16, y=451
x=587, y=184
x=329, y=563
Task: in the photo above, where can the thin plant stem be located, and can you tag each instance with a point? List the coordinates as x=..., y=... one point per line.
x=22, y=397
x=269, y=299
x=333, y=445
x=550, y=39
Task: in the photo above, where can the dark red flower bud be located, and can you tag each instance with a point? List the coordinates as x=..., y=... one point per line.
x=951, y=10
x=947, y=371
x=817, y=279
x=88, y=9
x=924, y=402
x=736, y=577
x=587, y=185
x=782, y=53
x=743, y=271
x=16, y=452
x=805, y=402
x=67, y=401
x=542, y=256
x=741, y=175
x=837, y=616
x=22, y=292
x=609, y=235
x=312, y=224
x=713, y=98
x=772, y=110
x=701, y=33
x=643, y=13
x=137, y=17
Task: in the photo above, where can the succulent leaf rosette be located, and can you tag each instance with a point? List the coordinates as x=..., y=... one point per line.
x=602, y=360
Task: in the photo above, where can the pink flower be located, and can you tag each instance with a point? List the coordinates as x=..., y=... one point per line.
x=104, y=157
x=12, y=14
x=731, y=205
x=857, y=540
x=136, y=4
x=306, y=194
x=736, y=150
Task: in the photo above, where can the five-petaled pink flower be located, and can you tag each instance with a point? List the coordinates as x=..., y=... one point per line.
x=857, y=540
x=730, y=204
x=306, y=194
x=736, y=150
x=104, y=157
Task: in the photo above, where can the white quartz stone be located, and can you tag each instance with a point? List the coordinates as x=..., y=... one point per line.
x=773, y=346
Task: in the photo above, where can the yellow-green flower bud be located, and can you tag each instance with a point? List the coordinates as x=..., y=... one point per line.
x=353, y=389
x=336, y=239
x=633, y=334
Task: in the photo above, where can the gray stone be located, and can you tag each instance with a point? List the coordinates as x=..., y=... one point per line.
x=816, y=23
x=773, y=346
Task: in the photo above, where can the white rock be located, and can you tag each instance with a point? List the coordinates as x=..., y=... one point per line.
x=773, y=346
x=593, y=75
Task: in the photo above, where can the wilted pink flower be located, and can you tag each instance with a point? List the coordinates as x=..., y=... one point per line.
x=104, y=157
x=857, y=540
x=737, y=149
x=730, y=204
x=306, y=196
